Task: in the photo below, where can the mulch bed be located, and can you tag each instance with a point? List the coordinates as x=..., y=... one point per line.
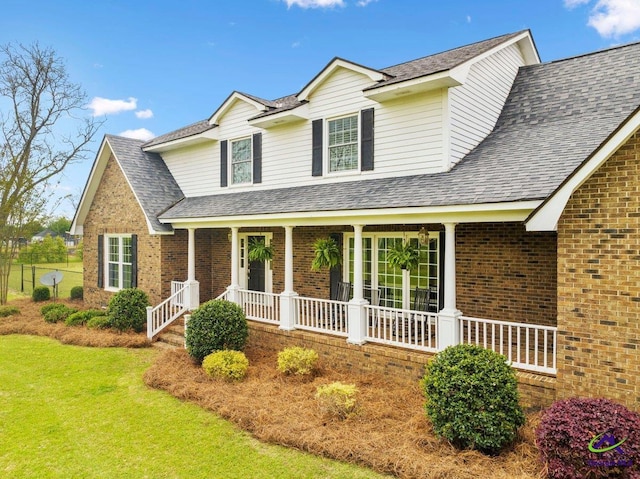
x=390, y=432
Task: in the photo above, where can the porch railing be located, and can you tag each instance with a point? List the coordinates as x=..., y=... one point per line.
x=402, y=327
x=177, y=287
x=259, y=306
x=162, y=315
x=322, y=315
x=526, y=346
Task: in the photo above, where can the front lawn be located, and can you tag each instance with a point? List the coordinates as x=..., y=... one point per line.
x=76, y=412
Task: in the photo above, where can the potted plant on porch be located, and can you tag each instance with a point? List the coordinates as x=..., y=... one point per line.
x=404, y=256
x=259, y=251
x=327, y=254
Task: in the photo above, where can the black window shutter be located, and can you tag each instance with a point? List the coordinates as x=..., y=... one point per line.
x=100, y=261
x=366, y=142
x=257, y=158
x=134, y=261
x=316, y=145
x=223, y=163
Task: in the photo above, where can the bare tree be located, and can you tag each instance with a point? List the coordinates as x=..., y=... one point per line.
x=43, y=128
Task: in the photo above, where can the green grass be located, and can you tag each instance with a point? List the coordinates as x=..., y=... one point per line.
x=72, y=276
x=72, y=412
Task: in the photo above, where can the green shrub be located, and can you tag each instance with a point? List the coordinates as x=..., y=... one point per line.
x=570, y=428
x=41, y=293
x=77, y=292
x=127, y=310
x=337, y=399
x=48, y=307
x=81, y=317
x=99, y=322
x=227, y=364
x=61, y=313
x=472, y=398
x=214, y=326
x=297, y=360
x=8, y=311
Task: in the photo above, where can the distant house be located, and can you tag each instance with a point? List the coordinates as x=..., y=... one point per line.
x=518, y=182
x=41, y=235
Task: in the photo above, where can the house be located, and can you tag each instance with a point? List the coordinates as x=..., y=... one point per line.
x=517, y=181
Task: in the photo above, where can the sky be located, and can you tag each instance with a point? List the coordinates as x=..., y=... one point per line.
x=151, y=67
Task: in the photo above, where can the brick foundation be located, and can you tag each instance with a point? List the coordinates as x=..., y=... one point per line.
x=535, y=390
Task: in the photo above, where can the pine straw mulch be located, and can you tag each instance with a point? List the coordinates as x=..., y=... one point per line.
x=390, y=433
x=30, y=321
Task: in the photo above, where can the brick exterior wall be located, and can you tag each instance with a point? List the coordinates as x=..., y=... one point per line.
x=599, y=283
x=506, y=273
x=535, y=390
x=115, y=210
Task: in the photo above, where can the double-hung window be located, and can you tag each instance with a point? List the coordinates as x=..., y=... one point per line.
x=241, y=166
x=343, y=143
x=119, y=262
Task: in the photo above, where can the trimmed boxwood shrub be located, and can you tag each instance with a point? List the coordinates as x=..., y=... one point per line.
x=8, y=311
x=41, y=293
x=77, y=292
x=99, y=322
x=228, y=365
x=61, y=313
x=472, y=398
x=296, y=360
x=214, y=326
x=128, y=310
x=569, y=428
x=81, y=317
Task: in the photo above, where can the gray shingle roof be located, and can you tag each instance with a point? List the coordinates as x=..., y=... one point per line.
x=190, y=130
x=556, y=115
x=149, y=177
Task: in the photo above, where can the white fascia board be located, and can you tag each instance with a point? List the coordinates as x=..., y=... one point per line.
x=547, y=215
x=480, y=213
x=525, y=44
x=374, y=75
x=90, y=188
x=439, y=80
x=209, y=135
x=228, y=103
x=299, y=113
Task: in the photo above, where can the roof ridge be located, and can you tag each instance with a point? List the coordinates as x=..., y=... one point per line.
x=453, y=49
x=588, y=54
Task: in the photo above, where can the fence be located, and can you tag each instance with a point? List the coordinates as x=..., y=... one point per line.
x=24, y=278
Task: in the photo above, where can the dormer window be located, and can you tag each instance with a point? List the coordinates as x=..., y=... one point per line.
x=241, y=161
x=343, y=143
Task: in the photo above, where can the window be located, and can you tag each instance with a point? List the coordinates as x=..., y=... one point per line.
x=119, y=262
x=241, y=161
x=343, y=144
x=377, y=274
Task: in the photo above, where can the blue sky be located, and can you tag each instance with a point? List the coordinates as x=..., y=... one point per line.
x=150, y=67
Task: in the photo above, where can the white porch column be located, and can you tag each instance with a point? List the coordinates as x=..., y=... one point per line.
x=233, y=289
x=449, y=317
x=287, y=297
x=356, y=311
x=192, y=293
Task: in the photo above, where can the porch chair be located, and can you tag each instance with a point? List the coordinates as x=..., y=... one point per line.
x=421, y=299
x=343, y=292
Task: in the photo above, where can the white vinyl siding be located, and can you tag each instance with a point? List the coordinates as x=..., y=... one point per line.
x=476, y=105
x=195, y=168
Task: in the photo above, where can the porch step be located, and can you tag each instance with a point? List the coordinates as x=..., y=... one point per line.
x=172, y=336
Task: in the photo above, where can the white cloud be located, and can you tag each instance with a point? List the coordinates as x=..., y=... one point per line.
x=104, y=106
x=295, y=44
x=139, y=134
x=364, y=3
x=574, y=3
x=315, y=3
x=612, y=18
x=468, y=18
x=144, y=114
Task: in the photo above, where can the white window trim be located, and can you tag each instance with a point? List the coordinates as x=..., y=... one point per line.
x=243, y=259
x=230, y=162
x=325, y=143
x=106, y=262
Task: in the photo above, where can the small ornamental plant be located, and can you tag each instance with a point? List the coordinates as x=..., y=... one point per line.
x=8, y=311
x=228, y=365
x=99, y=322
x=128, y=310
x=472, y=398
x=214, y=326
x=60, y=313
x=77, y=292
x=337, y=399
x=297, y=361
x=81, y=317
x=41, y=293
x=589, y=437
